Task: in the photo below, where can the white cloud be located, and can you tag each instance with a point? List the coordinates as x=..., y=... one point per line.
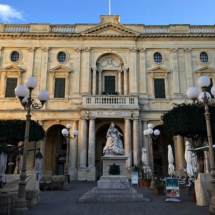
x=7, y=13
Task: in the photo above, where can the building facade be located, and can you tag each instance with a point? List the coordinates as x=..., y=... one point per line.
x=129, y=74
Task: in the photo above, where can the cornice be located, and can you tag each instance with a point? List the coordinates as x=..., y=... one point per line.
x=79, y=36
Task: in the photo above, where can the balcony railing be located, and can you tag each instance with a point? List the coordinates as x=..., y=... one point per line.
x=156, y=29
x=110, y=100
x=63, y=28
x=16, y=28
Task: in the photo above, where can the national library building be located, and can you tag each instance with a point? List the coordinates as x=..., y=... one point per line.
x=128, y=74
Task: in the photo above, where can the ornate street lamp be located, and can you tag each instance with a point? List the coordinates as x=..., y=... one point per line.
x=66, y=134
x=150, y=134
x=25, y=96
x=204, y=99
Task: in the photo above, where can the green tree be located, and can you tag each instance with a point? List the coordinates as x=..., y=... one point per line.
x=14, y=131
x=188, y=120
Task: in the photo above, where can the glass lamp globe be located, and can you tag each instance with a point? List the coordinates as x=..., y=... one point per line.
x=204, y=81
x=25, y=99
x=69, y=126
x=65, y=132
x=213, y=90
x=43, y=95
x=156, y=132
x=150, y=125
x=201, y=96
x=192, y=93
x=75, y=133
x=145, y=132
x=31, y=82
x=150, y=131
x=21, y=91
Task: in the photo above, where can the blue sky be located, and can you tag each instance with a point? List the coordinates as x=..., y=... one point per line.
x=149, y=12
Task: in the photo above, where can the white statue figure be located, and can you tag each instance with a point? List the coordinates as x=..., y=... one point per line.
x=114, y=144
x=145, y=162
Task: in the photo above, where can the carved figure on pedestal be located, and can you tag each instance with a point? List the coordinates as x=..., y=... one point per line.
x=113, y=145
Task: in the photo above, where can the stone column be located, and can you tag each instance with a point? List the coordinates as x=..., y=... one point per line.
x=30, y=61
x=125, y=81
x=94, y=80
x=133, y=76
x=42, y=149
x=119, y=82
x=44, y=68
x=100, y=82
x=128, y=151
x=83, y=151
x=180, y=149
x=76, y=74
x=91, y=173
x=85, y=75
x=188, y=67
x=142, y=68
x=73, y=154
x=176, y=163
x=176, y=88
x=136, y=157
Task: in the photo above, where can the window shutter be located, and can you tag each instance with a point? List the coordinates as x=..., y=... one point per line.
x=59, y=90
x=10, y=86
x=110, y=84
x=159, y=86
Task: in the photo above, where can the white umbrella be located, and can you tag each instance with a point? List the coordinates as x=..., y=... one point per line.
x=188, y=158
x=171, y=168
x=145, y=161
x=39, y=157
x=3, y=166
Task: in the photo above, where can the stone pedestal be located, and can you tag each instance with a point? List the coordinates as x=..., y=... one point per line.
x=113, y=188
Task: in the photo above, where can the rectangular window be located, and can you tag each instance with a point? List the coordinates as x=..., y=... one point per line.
x=110, y=84
x=11, y=84
x=159, y=86
x=59, y=90
x=209, y=88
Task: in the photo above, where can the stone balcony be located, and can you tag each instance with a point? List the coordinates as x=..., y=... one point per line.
x=110, y=101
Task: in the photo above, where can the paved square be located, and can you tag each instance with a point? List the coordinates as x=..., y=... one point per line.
x=66, y=203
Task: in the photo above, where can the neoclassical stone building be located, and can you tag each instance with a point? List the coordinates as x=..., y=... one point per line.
x=98, y=73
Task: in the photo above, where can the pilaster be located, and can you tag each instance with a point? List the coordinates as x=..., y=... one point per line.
x=188, y=67
x=133, y=76
x=44, y=68
x=30, y=61
x=176, y=88
x=77, y=72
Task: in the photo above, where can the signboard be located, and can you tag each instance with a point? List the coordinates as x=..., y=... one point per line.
x=134, y=178
x=172, y=188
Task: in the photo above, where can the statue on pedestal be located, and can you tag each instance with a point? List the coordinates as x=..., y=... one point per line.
x=113, y=145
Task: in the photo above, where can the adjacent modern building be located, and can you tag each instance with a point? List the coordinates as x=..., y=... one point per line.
x=129, y=74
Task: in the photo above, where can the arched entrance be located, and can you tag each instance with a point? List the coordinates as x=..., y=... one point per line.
x=160, y=152
x=55, y=151
x=100, y=144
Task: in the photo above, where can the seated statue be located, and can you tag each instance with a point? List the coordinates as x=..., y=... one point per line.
x=113, y=145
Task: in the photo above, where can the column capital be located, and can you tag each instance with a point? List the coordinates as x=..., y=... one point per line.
x=187, y=50
x=120, y=70
x=134, y=49
x=142, y=50
x=174, y=50
x=31, y=49
x=86, y=49
x=78, y=49
x=99, y=70
x=45, y=49
x=93, y=67
x=127, y=119
x=125, y=68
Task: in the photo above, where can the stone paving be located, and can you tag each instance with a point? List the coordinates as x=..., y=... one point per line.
x=66, y=203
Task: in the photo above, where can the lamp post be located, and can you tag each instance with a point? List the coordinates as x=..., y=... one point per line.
x=150, y=134
x=204, y=99
x=66, y=134
x=24, y=93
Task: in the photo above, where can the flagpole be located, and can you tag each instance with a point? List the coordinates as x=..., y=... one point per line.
x=109, y=7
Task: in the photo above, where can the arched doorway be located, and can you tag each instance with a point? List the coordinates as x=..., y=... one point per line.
x=100, y=144
x=55, y=151
x=160, y=152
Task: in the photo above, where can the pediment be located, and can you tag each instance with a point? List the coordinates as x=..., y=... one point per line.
x=60, y=69
x=110, y=29
x=159, y=69
x=205, y=69
x=13, y=68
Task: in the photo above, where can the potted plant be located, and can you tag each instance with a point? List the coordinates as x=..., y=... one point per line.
x=147, y=182
x=159, y=189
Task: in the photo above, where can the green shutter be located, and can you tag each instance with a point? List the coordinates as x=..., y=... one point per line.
x=110, y=84
x=59, y=90
x=159, y=86
x=10, y=86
